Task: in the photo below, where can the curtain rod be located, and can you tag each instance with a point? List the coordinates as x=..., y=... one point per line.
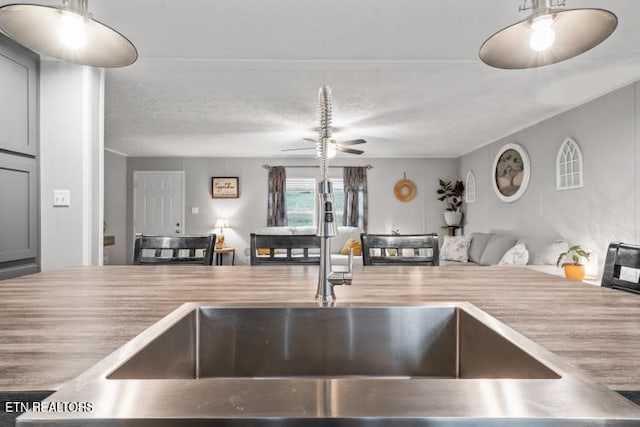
x=312, y=166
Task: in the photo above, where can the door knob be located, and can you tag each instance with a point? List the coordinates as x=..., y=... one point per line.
x=177, y=224
x=178, y=231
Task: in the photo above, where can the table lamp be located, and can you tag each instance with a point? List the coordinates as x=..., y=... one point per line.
x=221, y=224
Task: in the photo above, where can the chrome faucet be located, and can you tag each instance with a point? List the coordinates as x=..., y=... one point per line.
x=327, y=228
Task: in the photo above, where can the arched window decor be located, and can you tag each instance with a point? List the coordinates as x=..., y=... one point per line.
x=569, y=166
x=470, y=188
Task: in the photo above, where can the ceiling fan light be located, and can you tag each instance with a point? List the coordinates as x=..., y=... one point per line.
x=548, y=36
x=331, y=151
x=67, y=33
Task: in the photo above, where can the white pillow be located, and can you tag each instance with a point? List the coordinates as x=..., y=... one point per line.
x=344, y=233
x=517, y=255
x=455, y=248
x=549, y=254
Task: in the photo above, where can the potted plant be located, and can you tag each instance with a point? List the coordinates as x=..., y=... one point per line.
x=451, y=194
x=573, y=270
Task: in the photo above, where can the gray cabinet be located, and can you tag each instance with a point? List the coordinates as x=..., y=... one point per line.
x=18, y=212
x=19, y=189
x=18, y=103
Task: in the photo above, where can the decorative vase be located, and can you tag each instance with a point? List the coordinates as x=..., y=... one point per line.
x=574, y=272
x=452, y=217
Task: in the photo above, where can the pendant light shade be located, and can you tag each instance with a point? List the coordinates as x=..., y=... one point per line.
x=548, y=36
x=68, y=32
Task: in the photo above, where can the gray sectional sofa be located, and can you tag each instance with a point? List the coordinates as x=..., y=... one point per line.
x=489, y=248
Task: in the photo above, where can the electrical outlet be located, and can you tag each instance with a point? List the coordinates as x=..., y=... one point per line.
x=194, y=210
x=61, y=198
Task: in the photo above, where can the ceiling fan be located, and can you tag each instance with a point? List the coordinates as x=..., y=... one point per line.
x=334, y=146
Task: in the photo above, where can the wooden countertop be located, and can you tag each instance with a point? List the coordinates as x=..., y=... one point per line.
x=55, y=325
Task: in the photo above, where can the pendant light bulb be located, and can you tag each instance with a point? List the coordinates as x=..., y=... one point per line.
x=72, y=30
x=547, y=36
x=68, y=32
x=543, y=35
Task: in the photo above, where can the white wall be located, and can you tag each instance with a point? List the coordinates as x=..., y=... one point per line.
x=249, y=212
x=71, y=145
x=115, y=206
x=605, y=210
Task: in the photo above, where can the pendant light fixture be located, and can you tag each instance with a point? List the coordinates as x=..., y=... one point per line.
x=68, y=32
x=547, y=36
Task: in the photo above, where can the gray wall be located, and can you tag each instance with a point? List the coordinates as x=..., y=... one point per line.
x=604, y=210
x=422, y=214
x=115, y=206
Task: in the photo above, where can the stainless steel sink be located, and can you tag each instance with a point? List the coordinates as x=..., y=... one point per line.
x=446, y=364
x=440, y=341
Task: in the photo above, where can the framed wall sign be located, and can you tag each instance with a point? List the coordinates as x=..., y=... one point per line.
x=511, y=172
x=224, y=187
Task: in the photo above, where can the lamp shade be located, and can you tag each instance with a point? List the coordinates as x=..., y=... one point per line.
x=571, y=32
x=66, y=34
x=221, y=223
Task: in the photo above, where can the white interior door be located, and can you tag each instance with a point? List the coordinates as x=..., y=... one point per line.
x=158, y=202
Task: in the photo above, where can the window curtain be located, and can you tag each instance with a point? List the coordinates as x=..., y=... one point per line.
x=355, y=197
x=276, y=206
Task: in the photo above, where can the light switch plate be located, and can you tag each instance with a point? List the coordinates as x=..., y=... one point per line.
x=194, y=210
x=61, y=198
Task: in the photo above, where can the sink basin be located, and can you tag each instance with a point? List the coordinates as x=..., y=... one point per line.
x=447, y=364
x=440, y=342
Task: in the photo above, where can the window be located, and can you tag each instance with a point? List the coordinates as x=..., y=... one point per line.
x=301, y=201
x=569, y=166
x=470, y=188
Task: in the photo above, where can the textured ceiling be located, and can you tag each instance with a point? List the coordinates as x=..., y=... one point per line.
x=240, y=78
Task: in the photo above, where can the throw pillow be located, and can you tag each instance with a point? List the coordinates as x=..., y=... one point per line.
x=455, y=248
x=352, y=244
x=517, y=255
x=344, y=233
x=478, y=244
x=549, y=254
x=497, y=246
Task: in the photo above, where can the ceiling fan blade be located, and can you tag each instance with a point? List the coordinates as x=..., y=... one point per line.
x=333, y=128
x=329, y=141
x=298, y=149
x=348, y=150
x=353, y=142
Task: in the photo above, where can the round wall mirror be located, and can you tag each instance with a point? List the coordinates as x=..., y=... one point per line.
x=510, y=173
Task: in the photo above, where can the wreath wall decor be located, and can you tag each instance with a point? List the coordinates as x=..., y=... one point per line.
x=405, y=189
